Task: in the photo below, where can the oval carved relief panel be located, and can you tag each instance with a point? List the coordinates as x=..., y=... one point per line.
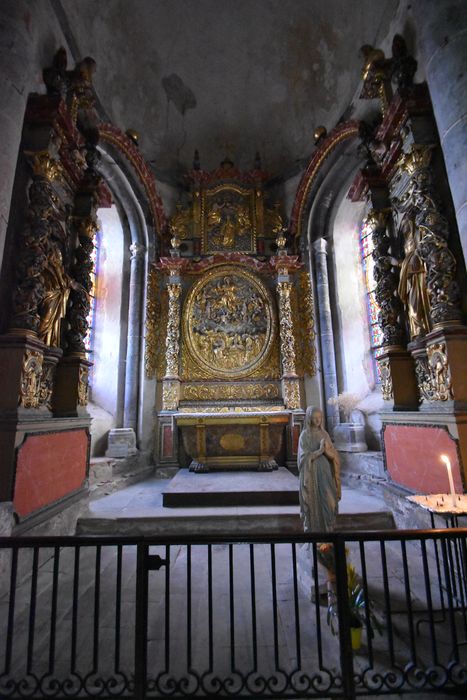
x=229, y=322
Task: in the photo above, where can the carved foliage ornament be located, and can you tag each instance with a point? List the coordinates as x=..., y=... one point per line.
x=291, y=393
x=386, y=379
x=156, y=326
x=303, y=314
x=31, y=379
x=207, y=392
x=172, y=341
x=170, y=395
x=386, y=277
x=284, y=290
x=47, y=382
x=441, y=384
x=83, y=385
x=432, y=235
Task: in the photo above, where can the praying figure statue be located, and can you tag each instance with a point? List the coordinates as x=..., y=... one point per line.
x=319, y=473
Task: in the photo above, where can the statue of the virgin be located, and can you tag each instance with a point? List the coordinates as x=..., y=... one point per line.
x=319, y=472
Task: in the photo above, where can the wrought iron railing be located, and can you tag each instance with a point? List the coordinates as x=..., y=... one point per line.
x=197, y=617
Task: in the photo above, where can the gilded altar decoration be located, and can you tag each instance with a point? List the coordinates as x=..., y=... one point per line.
x=228, y=322
x=291, y=393
x=228, y=220
x=180, y=223
x=170, y=394
x=386, y=276
x=47, y=383
x=83, y=385
x=286, y=328
x=429, y=245
x=423, y=375
x=412, y=288
x=53, y=306
x=31, y=379
x=44, y=165
x=172, y=342
x=156, y=324
x=303, y=313
x=376, y=76
x=233, y=391
x=386, y=379
x=440, y=373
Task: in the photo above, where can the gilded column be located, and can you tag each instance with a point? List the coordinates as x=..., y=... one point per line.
x=290, y=381
x=171, y=381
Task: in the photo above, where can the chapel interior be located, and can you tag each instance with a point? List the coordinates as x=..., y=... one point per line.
x=215, y=214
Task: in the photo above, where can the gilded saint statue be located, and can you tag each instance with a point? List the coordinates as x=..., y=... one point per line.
x=412, y=288
x=53, y=306
x=319, y=474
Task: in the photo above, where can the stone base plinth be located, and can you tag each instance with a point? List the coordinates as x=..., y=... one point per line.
x=121, y=443
x=350, y=437
x=187, y=489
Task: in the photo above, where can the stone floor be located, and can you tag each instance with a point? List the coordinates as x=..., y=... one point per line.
x=223, y=610
x=138, y=509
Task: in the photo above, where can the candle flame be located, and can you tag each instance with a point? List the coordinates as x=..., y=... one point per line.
x=445, y=459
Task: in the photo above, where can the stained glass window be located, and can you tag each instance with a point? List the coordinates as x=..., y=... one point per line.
x=376, y=333
x=89, y=337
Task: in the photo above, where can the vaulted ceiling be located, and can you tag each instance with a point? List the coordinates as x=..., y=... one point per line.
x=228, y=77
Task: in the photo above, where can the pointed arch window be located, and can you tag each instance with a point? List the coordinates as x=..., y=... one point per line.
x=373, y=309
x=91, y=318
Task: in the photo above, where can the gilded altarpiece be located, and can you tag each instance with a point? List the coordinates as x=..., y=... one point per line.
x=417, y=271
x=224, y=336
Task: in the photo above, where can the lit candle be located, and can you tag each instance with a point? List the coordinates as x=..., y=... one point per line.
x=446, y=461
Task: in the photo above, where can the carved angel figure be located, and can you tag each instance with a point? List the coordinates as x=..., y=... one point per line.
x=319, y=474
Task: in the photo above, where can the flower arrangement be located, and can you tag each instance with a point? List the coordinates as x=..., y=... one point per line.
x=346, y=402
x=359, y=606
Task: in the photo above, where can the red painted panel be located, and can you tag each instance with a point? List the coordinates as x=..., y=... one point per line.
x=48, y=467
x=167, y=441
x=413, y=458
x=295, y=439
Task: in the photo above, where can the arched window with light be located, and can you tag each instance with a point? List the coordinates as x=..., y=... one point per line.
x=373, y=309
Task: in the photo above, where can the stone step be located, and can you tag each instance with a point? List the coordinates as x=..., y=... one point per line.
x=222, y=521
x=226, y=489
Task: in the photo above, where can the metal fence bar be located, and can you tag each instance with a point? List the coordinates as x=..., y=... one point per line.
x=32, y=610
x=141, y=621
x=272, y=612
x=345, y=643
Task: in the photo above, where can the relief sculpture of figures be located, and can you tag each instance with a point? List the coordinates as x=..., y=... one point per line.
x=319, y=472
x=412, y=288
x=230, y=322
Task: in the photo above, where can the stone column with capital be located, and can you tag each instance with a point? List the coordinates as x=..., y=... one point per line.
x=133, y=351
x=328, y=356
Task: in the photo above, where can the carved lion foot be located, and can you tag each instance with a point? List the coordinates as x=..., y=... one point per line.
x=267, y=465
x=199, y=467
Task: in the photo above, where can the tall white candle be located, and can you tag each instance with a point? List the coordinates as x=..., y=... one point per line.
x=446, y=461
